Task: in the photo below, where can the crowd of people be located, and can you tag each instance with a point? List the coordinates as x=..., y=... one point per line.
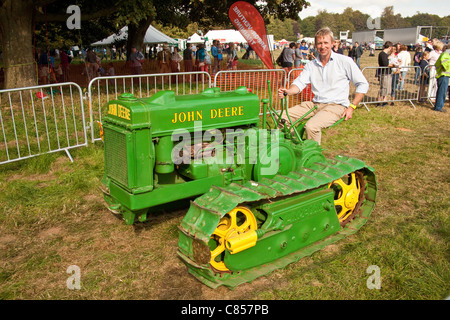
x=49, y=71
x=331, y=93
x=194, y=57
x=394, y=60
x=297, y=54
x=54, y=65
x=433, y=81
x=197, y=58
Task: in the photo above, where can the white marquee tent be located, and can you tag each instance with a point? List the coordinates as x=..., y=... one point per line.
x=151, y=36
x=195, y=38
x=225, y=36
x=121, y=35
x=307, y=39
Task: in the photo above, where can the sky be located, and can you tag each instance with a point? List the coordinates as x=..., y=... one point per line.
x=374, y=8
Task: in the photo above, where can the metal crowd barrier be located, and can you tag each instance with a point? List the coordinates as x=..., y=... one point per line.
x=103, y=89
x=305, y=95
x=41, y=119
x=255, y=80
x=403, y=85
x=258, y=82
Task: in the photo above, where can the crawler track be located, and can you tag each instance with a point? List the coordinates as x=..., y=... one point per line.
x=206, y=212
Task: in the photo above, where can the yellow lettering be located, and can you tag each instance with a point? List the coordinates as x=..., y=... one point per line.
x=190, y=115
x=175, y=119
x=195, y=115
x=127, y=114
x=226, y=112
x=112, y=109
x=122, y=112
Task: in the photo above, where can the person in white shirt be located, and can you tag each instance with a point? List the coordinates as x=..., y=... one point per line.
x=372, y=49
x=405, y=60
x=434, y=55
x=329, y=75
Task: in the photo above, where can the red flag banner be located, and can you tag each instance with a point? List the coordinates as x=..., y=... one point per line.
x=247, y=19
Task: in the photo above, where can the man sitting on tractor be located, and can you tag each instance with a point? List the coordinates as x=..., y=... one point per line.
x=329, y=75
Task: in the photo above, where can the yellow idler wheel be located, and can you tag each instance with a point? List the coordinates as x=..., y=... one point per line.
x=348, y=196
x=234, y=223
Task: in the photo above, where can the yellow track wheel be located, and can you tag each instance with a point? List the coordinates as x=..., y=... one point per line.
x=237, y=221
x=348, y=196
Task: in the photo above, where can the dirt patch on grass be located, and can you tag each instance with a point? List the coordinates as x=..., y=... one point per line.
x=404, y=129
x=50, y=233
x=44, y=177
x=6, y=240
x=61, y=164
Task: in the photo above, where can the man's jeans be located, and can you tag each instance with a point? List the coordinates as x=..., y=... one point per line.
x=416, y=77
x=395, y=78
x=400, y=86
x=442, y=86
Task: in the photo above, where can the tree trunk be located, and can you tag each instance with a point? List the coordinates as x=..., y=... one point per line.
x=136, y=34
x=16, y=21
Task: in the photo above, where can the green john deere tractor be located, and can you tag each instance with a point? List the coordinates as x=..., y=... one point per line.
x=261, y=197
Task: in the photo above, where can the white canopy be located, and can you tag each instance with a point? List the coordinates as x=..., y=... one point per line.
x=121, y=35
x=151, y=36
x=307, y=40
x=225, y=36
x=195, y=38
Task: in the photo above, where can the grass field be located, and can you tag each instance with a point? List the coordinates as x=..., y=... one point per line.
x=52, y=216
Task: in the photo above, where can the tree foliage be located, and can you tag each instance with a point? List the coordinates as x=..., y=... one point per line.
x=45, y=22
x=355, y=20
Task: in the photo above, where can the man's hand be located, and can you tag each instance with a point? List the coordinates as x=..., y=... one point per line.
x=348, y=113
x=282, y=92
x=293, y=89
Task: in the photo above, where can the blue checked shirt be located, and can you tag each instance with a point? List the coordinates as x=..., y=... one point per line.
x=331, y=84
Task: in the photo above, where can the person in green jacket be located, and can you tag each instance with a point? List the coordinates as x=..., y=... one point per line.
x=442, y=76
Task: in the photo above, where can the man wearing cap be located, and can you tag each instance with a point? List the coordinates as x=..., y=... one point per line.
x=304, y=50
x=329, y=75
